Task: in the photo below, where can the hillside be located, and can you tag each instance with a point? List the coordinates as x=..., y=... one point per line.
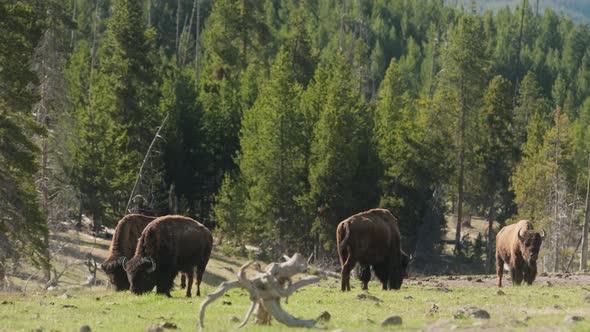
x=577, y=10
x=72, y=250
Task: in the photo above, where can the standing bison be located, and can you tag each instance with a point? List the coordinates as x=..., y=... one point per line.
x=123, y=246
x=518, y=245
x=167, y=245
x=372, y=238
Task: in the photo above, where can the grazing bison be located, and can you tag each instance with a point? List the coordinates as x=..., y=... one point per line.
x=372, y=238
x=518, y=245
x=167, y=245
x=123, y=246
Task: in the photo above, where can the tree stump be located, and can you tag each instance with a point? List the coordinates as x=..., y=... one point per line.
x=266, y=290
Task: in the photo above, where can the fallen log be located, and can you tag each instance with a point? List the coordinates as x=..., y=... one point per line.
x=266, y=289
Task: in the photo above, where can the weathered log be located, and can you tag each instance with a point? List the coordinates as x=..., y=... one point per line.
x=266, y=289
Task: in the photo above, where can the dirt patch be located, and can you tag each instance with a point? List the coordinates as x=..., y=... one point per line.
x=489, y=281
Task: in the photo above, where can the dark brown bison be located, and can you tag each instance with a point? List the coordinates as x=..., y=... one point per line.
x=372, y=238
x=517, y=246
x=123, y=246
x=168, y=245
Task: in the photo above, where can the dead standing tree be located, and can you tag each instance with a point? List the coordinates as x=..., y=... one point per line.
x=266, y=290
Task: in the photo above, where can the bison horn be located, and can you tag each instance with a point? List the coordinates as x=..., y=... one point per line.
x=153, y=267
x=520, y=237
x=543, y=234
x=123, y=263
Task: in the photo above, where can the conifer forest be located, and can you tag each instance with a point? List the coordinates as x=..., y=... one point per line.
x=270, y=121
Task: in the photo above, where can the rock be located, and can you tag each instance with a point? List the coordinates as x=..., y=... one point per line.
x=548, y=283
x=226, y=303
x=556, y=306
x=500, y=292
x=65, y=296
x=7, y=302
x=586, y=297
x=338, y=330
x=408, y=297
x=368, y=297
x=69, y=306
x=555, y=296
x=419, y=283
x=443, y=289
x=155, y=328
x=433, y=309
x=392, y=320
x=85, y=328
x=469, y=278
x=573, y=319
x=471, y=312
x=234, y=319
x=159, y=327
x=324, y=316
x=478, y=280
x=544, y=274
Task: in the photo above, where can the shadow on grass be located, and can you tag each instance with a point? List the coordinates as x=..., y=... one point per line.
x=225, y=260
x=213, y=279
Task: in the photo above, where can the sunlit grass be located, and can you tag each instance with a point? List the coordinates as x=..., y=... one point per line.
x=521, y=307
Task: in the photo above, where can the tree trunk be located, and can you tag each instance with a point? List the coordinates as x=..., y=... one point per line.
x=461, y=167
x=197, y=41
x=177, y=42
x=584, y=257
x=489, y=252
x=557, y=226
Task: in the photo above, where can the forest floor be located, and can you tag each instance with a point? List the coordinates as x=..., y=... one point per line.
x=554, y=302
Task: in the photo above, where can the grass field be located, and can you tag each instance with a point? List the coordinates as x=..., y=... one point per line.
x=425, y=304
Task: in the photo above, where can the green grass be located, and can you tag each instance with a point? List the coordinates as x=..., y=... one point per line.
x=105, y=310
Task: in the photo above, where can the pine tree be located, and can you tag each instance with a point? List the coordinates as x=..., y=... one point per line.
x=465, y=74
x=496, y=152
x=122, y=115
x=272, y=160
x=339, y=151
x=22, y=225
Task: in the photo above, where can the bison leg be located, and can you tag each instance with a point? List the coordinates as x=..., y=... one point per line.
x=200, y=271
x=189, y=286
x=517, y=276
x=345, y=277
x=165, y=282
x=183, y=281
x=364, y=275
x=499, y=269
x=382, y=273
x=530, y=273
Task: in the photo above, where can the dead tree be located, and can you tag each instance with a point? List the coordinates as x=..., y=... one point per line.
x=266, y=290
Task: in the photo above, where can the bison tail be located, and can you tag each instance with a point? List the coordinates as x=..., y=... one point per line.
x=343, y=241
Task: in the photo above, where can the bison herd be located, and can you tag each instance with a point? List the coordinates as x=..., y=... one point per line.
x=148, y=252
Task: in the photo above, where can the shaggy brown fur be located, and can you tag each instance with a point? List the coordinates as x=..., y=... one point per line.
x=168, y=245
x=371, y=238
x=123, y=246
x=518, y=245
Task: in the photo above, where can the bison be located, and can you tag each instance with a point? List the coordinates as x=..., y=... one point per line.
x=123, y=246
x=372, y=238
x=518, y=245
x=168, y=245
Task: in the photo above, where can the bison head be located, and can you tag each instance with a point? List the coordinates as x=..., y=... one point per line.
x=114, y=269
x=140, y=273
x=530, y=244
x=399, y=273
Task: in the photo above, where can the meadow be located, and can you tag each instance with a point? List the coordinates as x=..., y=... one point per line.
x=422, y=303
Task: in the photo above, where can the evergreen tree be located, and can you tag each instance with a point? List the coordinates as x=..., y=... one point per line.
x=340, y=151
x=272, y=160
x=122, y=115
x=22, y=225
x=465, y=74
x=496, y=152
